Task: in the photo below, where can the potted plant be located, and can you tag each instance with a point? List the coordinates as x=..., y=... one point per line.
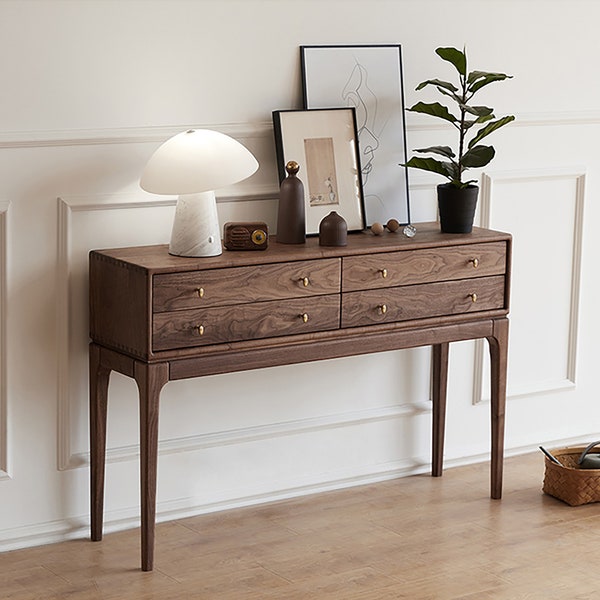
x=457, y=199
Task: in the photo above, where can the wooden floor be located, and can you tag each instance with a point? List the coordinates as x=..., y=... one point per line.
x=415, y=538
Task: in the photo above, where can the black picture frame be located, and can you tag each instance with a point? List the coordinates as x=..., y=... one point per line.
x=369, y=78
x=324, y=142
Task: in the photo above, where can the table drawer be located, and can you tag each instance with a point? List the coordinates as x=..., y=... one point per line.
x=426, y=265
x=201, y=327
x=421, y=301
x=239, y=285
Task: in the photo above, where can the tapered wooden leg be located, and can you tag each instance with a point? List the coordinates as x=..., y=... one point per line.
x=150, y=380
x=498, y=343
x=440, y=388
x=99, y=377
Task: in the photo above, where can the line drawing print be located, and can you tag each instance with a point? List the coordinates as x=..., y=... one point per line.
x=369, y=80
x=355, y=93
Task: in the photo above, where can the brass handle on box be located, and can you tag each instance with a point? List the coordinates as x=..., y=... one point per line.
x=200, y=329
x=474, y=262
x=304, y=317
x=305, y=281
x=384, y=273
x=200, y=292
x=473, y=297
x=382, y=308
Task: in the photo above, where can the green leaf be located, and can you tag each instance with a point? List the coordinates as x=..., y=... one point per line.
x=467, y=124
x=453, y=171
x=435, y=110
x=475, y=75
x=478, y=156
x=454, y=56
x=465, y=184
x=490, y=128
x=442, y=150
x=438, y=83
x=478, y=111
x=452, y=95
x=489, y=78
x=430, y=164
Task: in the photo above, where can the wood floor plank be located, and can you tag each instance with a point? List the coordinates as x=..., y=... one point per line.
x=417, y=538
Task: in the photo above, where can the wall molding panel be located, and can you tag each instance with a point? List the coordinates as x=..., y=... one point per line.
x=248, y=130
x=265, y=432
x=4, y=434
x=577, y=176
x=127, y=135
x=66, y=208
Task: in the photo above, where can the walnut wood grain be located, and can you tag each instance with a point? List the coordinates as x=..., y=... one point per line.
x=350, y=344
x=421, y=301
x=150, y=380
x=498, y=346
x=423, y=266
x=156, y=259
x=439, y=375
x=119, y=296
x=219, y=325
x=205, y=288
x=99, y=377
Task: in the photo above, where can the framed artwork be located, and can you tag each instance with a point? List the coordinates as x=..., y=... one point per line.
x=369, y=79
x=324, y=143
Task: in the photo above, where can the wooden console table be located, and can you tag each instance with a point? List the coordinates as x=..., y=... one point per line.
x=158, y=318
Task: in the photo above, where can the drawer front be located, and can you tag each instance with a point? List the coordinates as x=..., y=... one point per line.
x=423, y=266
x=238, y=285
x=421, y=301
x=183, y=329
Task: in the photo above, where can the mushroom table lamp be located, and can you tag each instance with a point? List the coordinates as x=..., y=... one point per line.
x=193, y=164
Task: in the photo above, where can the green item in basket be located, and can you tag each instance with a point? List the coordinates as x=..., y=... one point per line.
x=587, y=460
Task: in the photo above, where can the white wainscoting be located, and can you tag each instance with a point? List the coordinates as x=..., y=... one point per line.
x=72, y=304
x=244, y=132
x=546, y=271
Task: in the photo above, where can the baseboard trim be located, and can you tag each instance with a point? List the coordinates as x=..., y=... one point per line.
x=78, y=527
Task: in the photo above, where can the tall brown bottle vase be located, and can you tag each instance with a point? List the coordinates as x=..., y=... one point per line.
x=291, y=217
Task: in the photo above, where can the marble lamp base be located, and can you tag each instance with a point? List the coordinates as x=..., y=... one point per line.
x=196, y=226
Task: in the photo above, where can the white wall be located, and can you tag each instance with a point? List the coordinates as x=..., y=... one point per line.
x=90, y=88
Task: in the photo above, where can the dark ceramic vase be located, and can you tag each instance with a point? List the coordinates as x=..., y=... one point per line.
x=291, y=219
x=457, y=207
x=333, y=230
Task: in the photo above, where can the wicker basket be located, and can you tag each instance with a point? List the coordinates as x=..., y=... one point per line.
x=568, y=482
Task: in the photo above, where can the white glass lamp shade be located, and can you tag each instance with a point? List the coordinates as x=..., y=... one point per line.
x=193, y=164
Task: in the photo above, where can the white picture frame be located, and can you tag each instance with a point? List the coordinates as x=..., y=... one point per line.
x=324, y=143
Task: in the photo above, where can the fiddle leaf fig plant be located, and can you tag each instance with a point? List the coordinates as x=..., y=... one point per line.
x=466, y=118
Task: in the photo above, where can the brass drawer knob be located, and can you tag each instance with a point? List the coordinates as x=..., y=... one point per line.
x=304, y=317
x=200, y=292
x=305, y=281
x=382, y=308
x=384, y=273
x=474, y=262
x=473, y=297
x=200, y=329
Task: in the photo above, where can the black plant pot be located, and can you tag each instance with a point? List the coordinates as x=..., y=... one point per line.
x=457, y=207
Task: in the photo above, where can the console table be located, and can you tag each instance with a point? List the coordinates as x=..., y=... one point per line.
x=158, y=318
